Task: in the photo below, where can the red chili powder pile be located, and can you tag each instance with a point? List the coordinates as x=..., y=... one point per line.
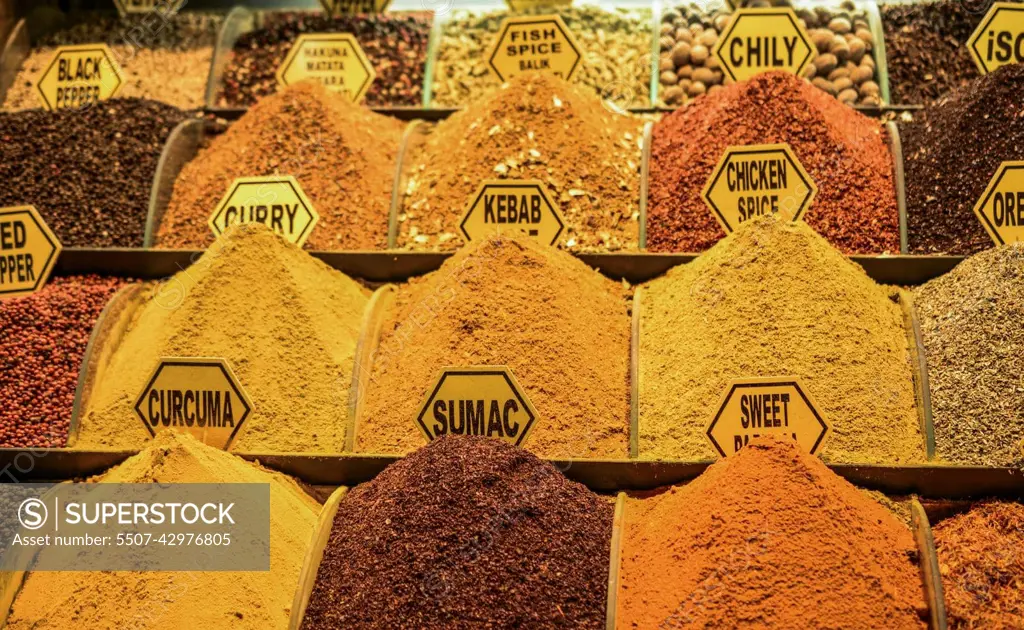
x=768, y=538
x=845, y=153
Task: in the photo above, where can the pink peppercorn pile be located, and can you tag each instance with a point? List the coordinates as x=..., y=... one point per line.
x=41, y=350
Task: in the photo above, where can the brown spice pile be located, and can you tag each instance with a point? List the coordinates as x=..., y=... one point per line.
x=534, y=127
x=768, y=538
x=342, y=155
x=467, y=532
x=774, y=299
x=561, y=327
x=846, y=154
x=981, y=559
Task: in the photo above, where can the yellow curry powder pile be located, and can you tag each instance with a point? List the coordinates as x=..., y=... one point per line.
x=561, y=327
x=177, y=599
x=287, y=324
x=775, y=299
x=767, y=538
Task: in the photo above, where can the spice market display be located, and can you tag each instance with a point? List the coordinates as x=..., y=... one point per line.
x=600, y=314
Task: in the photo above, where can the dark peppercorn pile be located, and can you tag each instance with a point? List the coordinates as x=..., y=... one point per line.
x=466, y=532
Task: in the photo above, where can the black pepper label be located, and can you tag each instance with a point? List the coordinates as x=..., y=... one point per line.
x=502, y=206
x=999, y=38
x=335, y=60
x=276, y=201
x=28, y=251
x=541, y=43
x=763, y=40
x=79, y=76
x=1001, y=207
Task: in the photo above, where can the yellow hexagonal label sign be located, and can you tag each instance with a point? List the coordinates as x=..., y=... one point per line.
x=198, y=395
x=752, y=407
x=336, y=60
x=527, y=5
x=522, y=206
x=276, y=201
x=999, y=38
x=354, y=7
x=79, y=76
x=762, y=40
x=754, y=180
x=163, y=7
x=480, y=400
x=28, y=251
x=1001, y=207
x=537, y=43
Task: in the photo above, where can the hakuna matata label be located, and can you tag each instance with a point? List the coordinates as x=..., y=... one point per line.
x=199, y=395
x=1001, y=207
x=763, y=40
x=999, y=38
x=480, y=400
x=79, y=76
x=538, y=43
x=28, y=251
x=336, y=60
x=503, y=206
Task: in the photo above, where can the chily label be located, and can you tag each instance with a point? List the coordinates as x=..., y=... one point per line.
x=335, y=60
x=1001, y=207
x=999, y=38
x=540, y=43
x=276, y=201
x=502, y=206
x=28, y=251
x=79, y=76
x=763, y=40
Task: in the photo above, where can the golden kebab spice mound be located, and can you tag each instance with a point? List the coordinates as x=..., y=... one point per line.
x=561, y=327
x=775, y=299
x=259, y=600
x=287, y=324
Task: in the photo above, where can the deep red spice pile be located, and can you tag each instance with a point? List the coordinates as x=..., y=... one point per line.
x=845, y=152
x=41, y=350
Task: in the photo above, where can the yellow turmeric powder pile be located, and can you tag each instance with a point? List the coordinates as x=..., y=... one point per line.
x=286, y=323
x=259, y=600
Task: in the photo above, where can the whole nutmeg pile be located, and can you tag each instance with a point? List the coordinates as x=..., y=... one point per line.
x=843, y=67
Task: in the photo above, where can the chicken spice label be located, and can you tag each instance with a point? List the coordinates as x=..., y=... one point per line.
x=28, y=251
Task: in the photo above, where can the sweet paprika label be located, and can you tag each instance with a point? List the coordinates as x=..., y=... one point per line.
x=334, y=59
x=1001, y=207
x=753, y=407
x=999, y=38
x=537, y=43
x=198, y=395
x=751, y=181
x=763, y=40
x=501, y=206
x=28, y=251
x=79, y=76
x=167, y=7
x=354, y=7
x=482, y=400
x=276, y=201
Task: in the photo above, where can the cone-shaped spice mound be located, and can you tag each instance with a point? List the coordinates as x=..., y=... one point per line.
x=774, y=299
x=534, y=127
x=844, y=152
x=287, y=324
x=974, y=342
x=768, y=538
x=466, y=532
x=155, y=599
x=343, y=155
x=561, y=327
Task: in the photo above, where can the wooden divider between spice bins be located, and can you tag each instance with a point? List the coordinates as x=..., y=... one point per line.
x=896, y=150
x=376, y=311
x=16, y=50
x=314, y=554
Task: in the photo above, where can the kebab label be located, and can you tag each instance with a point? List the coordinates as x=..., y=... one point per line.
x=999, y=38
x=354, y=7
x=751, y=181
x=762, y=40
x=1001, y=207
x=539, y=43
x=485, y=401
x=754, y=407
x=334, y=59
x=501, y=206
x=277, y=201
x=28, y=251
x=79, y=76
x=197, y=395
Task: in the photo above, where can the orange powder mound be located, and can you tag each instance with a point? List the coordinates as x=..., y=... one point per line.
x=768, y=538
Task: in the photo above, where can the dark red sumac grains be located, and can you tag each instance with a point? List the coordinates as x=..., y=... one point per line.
x=846, y=153
x=951, y=150
x=41, y=350
x=466, y=532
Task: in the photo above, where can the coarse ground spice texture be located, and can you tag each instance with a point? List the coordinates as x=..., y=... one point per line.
x=561, y=327
x=951, y=150
x=774, y=299
x=41, y=353
x=845, y=153
x=286, y=323
x=767, y=538
x=468, y=532
x=534, y=127
x=981, y=559
x=343, y=156
x=259, y=600
x=974, y=344
x=89, y=172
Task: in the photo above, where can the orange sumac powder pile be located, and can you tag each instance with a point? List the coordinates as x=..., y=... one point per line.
x=561, y=327
x=768, y=538
x=981, y=558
